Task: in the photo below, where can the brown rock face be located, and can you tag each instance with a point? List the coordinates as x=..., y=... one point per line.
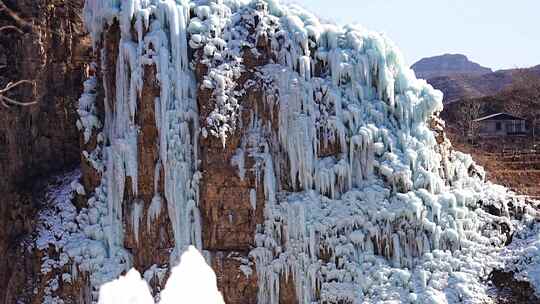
x=229, y=220
x=511, y=291
x=235, y=285
x=40, y=139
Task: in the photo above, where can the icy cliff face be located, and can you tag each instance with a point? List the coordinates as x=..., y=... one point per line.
x=362, y=198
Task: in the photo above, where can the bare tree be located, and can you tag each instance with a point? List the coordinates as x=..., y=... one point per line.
x=525, y=92
x=468, y=111
x=10, y=27
x=514, y=105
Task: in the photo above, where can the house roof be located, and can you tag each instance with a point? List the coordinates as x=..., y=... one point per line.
x=499, y=116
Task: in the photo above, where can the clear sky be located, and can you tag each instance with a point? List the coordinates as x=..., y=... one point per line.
x=495, y=33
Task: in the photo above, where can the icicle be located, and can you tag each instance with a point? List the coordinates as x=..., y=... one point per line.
x=154, y=210
x=88, y=120
x=253, y=199
x=136, y=214
x=238, y=160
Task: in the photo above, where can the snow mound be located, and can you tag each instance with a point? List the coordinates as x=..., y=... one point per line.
x=128, y=289
x=193, y=281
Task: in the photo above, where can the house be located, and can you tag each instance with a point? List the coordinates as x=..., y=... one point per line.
x=501, y=124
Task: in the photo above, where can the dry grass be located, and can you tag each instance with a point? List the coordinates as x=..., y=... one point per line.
x=509, y=162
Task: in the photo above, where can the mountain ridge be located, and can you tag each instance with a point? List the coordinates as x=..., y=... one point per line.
x=463, y=85
x=447, y=65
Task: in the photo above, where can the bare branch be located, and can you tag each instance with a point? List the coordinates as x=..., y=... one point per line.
x=10, y=27
x=7, y=101
x=20, y=21
x=12, y=85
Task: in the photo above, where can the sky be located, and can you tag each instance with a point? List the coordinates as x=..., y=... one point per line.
x=498, y=34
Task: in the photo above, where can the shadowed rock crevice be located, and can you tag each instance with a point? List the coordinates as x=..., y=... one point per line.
x=36, y=141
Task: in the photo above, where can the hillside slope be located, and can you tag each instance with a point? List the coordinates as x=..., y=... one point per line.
x=458, y=78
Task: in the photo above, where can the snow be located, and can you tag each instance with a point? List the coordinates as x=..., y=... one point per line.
x=522, y=257
x=193, y=281
x=69, y=238
x=54, y=228
x=128, y=289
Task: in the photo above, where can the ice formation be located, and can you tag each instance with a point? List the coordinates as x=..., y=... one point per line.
x=95, y=240
x=165, y=46
x=363, y=201
x=77, y=239
x=88, y=120
x=56, y=228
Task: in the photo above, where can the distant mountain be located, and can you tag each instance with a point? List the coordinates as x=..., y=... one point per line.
x=458, y=78
x=447, y=65
x=462, y=86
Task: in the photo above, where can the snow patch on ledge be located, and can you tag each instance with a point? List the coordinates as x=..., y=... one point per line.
x=76, y=239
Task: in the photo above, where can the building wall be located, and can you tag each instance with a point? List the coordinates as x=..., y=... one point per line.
x=489, y=127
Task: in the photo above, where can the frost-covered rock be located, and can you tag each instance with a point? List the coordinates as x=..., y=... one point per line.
x=522, y=257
